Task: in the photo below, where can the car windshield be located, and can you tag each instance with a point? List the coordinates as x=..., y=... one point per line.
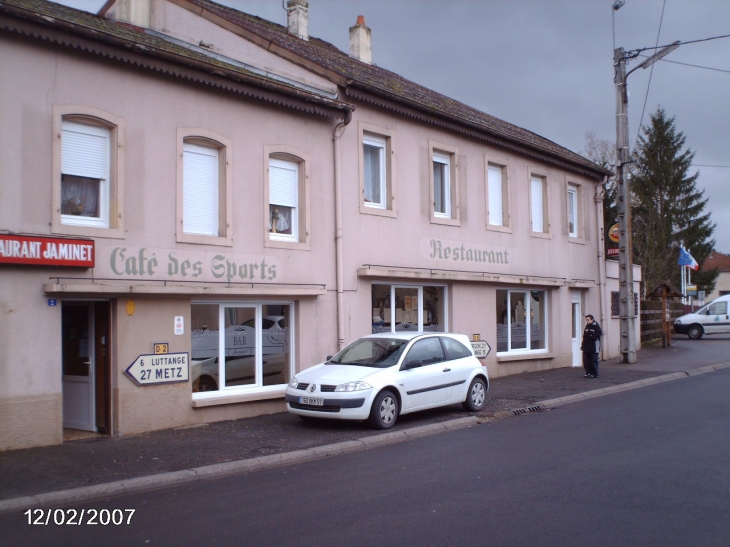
x=371, y=352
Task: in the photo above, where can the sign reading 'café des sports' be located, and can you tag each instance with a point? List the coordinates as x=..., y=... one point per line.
x=46, y=251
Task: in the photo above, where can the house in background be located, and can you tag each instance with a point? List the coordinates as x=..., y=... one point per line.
x=721, y=262
x=198, y=203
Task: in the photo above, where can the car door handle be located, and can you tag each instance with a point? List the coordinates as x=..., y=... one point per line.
x=447, y=369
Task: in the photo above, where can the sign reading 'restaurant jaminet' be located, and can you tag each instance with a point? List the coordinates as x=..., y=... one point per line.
x=46, y=251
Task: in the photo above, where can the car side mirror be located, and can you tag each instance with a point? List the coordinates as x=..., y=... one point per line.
x=329, y=357
x=413, y=364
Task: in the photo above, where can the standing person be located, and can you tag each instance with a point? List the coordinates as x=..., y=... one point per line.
x=591, y=346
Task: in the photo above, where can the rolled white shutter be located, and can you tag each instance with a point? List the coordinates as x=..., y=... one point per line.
x=283, y=183
x=494, y=176
x=536, y=190
x=200, y=190
x=85, y=150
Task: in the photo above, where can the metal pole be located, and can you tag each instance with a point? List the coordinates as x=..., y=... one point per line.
x=626, y=273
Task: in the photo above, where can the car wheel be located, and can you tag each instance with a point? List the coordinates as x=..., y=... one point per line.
x=476, y=396
x=206, y=383
x=695, y=332
x=384, y=410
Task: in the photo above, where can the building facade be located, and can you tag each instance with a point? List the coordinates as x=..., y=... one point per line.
x=198, y=203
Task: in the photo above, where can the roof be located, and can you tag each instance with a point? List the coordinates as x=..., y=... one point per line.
x=138, y=42
x=380, y=81
x=717, y=261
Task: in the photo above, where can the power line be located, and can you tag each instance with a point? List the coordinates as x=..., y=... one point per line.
x=695, y=66
x=684, y=43
x=703, y=165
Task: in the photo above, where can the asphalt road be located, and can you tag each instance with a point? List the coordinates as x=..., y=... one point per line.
x=646, y=467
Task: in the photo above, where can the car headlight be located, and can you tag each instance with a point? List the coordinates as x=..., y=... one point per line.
x=294, y=382
x=353, y=386
x=677, y=322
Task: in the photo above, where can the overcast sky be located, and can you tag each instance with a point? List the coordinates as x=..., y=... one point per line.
x=547, y=65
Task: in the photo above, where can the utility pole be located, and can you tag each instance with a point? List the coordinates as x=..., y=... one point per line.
x=627, y=311
x=625, y=246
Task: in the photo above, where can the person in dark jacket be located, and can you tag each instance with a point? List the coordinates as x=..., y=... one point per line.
x=591, y=346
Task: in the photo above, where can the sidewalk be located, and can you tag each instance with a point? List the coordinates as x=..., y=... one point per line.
x=43, y=476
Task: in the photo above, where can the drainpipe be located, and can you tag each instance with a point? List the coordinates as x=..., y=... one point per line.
x=601, y=259
x=339, y=130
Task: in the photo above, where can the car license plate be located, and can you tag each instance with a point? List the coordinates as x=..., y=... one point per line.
x=314, y=401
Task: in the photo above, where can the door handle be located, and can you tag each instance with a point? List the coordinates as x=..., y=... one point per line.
x=447, y=369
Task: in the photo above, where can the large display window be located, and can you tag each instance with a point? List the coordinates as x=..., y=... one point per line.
x=418, y=308
x=237, y=347
x=521, y=321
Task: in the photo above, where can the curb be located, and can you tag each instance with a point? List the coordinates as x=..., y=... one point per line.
x=220, y=470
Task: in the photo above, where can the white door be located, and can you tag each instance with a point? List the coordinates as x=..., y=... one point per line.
x=78, y=366
x=717, y=320
x=576, y=330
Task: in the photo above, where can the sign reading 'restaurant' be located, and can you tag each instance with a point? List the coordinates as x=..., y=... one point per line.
x=46, y=251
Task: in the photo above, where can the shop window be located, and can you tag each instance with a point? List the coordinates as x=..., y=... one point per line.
x=204, y=188
x=252, y=350
x=408, y=308
x=521, y=321
x=376, y=171
x=88, y=159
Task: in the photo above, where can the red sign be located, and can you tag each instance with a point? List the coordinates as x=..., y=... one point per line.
x=46, y=251
x=612, y=251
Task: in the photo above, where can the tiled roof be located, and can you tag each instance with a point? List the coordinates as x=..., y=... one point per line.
x=377, y=80
x=717, y=261
x=136, y=39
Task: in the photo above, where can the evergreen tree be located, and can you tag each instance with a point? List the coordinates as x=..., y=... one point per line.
x=668, y=209
x=603, y=153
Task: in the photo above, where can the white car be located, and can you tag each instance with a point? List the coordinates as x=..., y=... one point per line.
x=382, y=376
x=713, y=318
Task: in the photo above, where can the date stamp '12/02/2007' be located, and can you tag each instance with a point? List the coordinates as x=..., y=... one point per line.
x=79, y=517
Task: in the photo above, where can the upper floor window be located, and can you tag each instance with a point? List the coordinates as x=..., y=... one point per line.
x=201, y=197
x=283, y=200
x=538, y=204
x=441, y=185
x=497, y=195
x=572, y=210
x=204, y=188
x=85, y=174
x=88, y=172
x=374, y=173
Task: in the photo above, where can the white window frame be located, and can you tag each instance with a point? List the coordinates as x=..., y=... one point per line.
x=110, y=223
x=84, y=167
x=201, y=193
x=528, y=322
x=573, y=210
x=394, y=286
x=539, y=211
x=495, y=195
x=379, y=143
x=285, y=196
x=231, y=394
x=206, y=139
x=444, y=161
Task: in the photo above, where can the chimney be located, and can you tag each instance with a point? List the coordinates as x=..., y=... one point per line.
x=297, y=18
x=360, y=47
x=134, y=12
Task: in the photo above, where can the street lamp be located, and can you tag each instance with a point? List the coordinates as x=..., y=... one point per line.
x=625, y=250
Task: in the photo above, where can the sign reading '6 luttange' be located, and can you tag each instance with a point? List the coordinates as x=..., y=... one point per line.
x=46, y=251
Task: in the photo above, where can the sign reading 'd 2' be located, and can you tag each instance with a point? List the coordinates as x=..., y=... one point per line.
x=46, y=251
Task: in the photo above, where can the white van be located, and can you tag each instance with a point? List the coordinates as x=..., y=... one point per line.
x=712, y=318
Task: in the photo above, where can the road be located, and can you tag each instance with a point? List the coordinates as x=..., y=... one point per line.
x=646, y=467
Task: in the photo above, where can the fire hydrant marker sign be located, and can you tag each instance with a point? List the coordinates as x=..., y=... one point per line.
x=160, y=369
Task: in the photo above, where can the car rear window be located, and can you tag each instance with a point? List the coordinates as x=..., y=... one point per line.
x=455, y=349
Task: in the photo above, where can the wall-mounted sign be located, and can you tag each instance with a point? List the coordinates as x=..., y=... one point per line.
x=161, y=348
x=179, y=325
x=160, y=369
x=46, y=251
x=613, y=233
x=612, y=251
x=481, y=349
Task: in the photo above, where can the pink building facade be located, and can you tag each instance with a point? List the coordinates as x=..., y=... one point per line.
x=198, y=203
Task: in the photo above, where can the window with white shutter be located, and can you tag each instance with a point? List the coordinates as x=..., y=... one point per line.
x=537, y=204
x=441, y=185
x=283, y=200
x=572, y=210
x=373, y=149
x=495, y=196
x=85, y=174
x=201, y=184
